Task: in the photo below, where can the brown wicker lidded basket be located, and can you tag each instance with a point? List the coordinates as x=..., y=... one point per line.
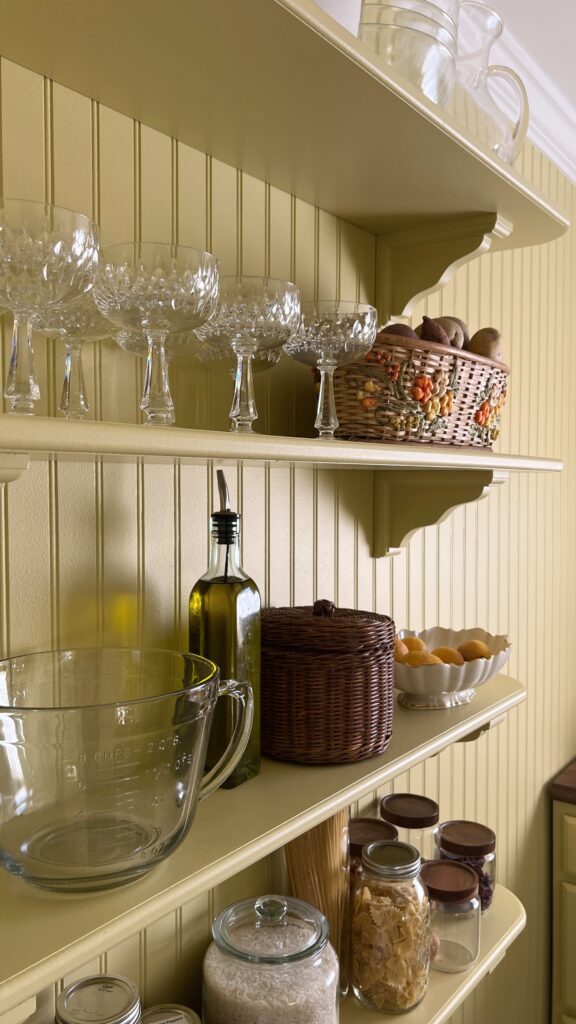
x=413, y=390
x=327, y=683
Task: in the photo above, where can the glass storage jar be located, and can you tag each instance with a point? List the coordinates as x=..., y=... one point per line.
x=390, y=929
x=362, y=831
x=416, y=818
x=170, y=1013
x=100, y=999
x=270, y=961
x=454, y=915
x=473, y=844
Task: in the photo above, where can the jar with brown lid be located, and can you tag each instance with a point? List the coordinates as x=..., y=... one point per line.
x=472, y=844
x=416, y=818
x=454, y=914
x=390, y=929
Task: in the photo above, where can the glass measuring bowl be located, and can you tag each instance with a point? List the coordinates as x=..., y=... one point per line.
x=101, y=759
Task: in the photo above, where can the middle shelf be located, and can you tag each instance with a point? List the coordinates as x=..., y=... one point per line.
x=232, y=830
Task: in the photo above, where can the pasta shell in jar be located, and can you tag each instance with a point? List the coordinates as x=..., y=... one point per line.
x=390, y=929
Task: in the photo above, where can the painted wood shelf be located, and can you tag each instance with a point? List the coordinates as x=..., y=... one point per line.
x=41, y=436
x=232, y=829
x=335, y=134
x=414, y=485
x=446, y=992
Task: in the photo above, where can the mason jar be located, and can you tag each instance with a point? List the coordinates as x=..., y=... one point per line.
x=416, y=818
x=270, y=961
x=454, y=915
x=473, y=844
x=390, y=929
x=362, y=831
x=101, y=999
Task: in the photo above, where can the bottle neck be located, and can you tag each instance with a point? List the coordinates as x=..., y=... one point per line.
x=225, y=560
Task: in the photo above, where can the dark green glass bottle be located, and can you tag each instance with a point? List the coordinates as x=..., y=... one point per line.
x=224, y=618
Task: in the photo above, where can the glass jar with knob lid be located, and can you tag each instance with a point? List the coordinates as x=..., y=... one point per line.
x=390, y=941
x=270, y=960
x=416, y=818
x=454, y=914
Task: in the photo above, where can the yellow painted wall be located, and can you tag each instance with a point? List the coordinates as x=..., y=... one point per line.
x=108, y=552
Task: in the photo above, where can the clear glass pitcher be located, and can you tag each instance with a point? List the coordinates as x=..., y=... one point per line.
x=101, y=760
x=478, y=29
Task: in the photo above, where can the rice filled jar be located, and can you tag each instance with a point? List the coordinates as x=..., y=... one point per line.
x=390, y=929
x=270, y=961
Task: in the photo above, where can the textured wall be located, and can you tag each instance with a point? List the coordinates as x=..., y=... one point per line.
x=107, y=552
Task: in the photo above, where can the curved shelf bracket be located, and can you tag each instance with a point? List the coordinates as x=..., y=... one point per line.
x=407, y=500
x=415, y=262
x=12, y=466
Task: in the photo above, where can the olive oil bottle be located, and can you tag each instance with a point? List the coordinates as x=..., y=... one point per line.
x=224, y=618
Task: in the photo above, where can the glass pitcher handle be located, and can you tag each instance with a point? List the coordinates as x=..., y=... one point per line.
x=521, y=126
x=244, y=697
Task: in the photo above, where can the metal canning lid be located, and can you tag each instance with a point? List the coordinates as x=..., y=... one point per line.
x=394, y=861
x=170, y=1013
x=99, y=999
x=449, y=882
x=368, y=830
x=271, y=930
x=408, y=810
x=467, y=838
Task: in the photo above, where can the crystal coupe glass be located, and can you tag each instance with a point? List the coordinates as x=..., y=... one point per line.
x=332, y=333
x=48, y=257
x=160, y=289
x=254, y=314
x=80, y=321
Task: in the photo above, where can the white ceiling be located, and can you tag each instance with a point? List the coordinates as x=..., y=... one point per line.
x=547, y=31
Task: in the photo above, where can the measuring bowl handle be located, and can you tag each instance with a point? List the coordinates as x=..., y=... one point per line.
x=243, y=695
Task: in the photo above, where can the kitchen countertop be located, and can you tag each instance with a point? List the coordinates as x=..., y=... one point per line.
x=563, y=785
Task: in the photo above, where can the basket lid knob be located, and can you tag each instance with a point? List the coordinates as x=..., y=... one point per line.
x=325, y=609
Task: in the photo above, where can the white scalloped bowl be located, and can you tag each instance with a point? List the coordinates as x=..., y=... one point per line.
x=447, y=686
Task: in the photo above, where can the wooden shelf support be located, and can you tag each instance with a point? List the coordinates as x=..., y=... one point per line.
x=12, y=466
x=407, y=500
x=411, y=264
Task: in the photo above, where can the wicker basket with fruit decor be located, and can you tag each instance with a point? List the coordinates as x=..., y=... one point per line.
x=408, y=389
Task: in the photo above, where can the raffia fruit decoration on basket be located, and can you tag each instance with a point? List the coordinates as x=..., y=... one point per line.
x=327, y=683
x=433, y=385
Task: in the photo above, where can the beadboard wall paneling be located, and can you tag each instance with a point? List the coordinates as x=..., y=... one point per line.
x=107, y=552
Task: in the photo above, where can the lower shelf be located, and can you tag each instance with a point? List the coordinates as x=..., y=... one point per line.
x=232, y=830
x=500, y=926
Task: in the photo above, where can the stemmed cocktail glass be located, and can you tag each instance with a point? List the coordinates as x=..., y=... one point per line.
x=332, y=333
x=162, y=290
x=254, y=315
x=80, y=321
x=48, y=257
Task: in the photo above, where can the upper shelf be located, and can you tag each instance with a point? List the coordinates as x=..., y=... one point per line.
x=37, y=435
x=279, y=89
x=233, y=829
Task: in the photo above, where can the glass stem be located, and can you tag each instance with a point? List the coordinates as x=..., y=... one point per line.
x=21, y=386
x=326, y=418
x=73, y=404
x=243, y=411
x=156, y=398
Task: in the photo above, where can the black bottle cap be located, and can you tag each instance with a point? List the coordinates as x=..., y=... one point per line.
x=225, y=526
